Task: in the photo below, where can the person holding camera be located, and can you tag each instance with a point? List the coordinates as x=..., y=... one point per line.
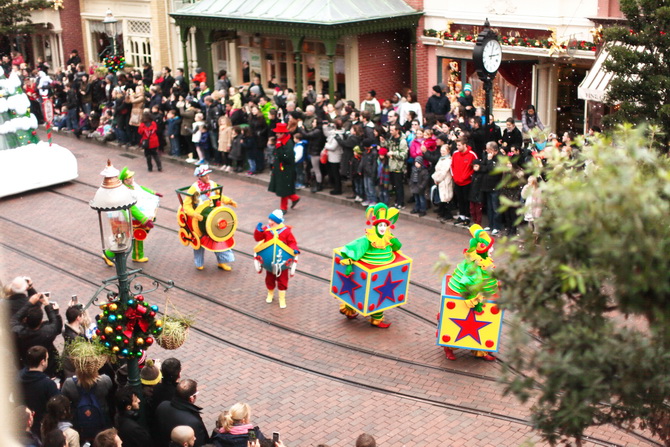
x=30, y=330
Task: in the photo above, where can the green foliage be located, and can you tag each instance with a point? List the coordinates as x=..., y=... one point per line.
x=641, y=85
x=596, y=288
x=15, y=15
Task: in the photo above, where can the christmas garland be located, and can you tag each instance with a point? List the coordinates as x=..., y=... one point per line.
x=460, y=36
x=128, y=328
x=114, y=63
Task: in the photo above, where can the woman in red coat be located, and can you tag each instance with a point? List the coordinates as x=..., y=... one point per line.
x=148, y=132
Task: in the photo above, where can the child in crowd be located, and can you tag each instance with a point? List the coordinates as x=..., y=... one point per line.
x=103, y=130
x=60, y=121
x=300, y=148
x=357, y=178
x=383, y=175
x=269, y=152
x=445, y=183
x=203, y=145
x=196, y=136
x=475, y=195
x=83, y=124
x=418, y=182
x=368, y=168
x=225, y=141
x=532, y=194
x=159, y=118
x=173, y=121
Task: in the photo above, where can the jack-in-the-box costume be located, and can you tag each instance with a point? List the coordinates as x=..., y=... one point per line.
x=370, y=274
x=276, y=253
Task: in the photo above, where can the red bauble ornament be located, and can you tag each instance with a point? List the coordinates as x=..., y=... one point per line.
x=139, y=297
x=152, y=314
x=149, y=341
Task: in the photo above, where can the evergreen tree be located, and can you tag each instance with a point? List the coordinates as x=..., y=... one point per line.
x=595, y=288
x=17, y=124
x=640, y=60
x=15, y=15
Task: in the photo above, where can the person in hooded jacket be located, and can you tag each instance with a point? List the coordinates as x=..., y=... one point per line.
x=37, y=388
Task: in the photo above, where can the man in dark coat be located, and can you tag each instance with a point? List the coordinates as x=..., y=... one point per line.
x=181, y=411
x=37, y=387
x=490, y=183
x=165, y=391
x=30, y=330
x=128, y=408
x=282, y=180
x=438, y=103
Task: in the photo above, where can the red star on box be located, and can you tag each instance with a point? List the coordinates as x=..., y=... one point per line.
x=469, y=326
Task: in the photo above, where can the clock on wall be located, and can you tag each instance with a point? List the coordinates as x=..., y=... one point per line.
x=487, y=54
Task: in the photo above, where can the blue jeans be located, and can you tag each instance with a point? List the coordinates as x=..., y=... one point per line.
x=420, y=202
x=222, y=257
x=383, y=196
x=300, y=173
x=72, y=120
x=370, y=192
x=174, y=145
x=492, y=205
x=252, y=164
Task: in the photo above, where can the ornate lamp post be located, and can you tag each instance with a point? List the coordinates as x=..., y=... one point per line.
x=128, y=322
x=110, y=28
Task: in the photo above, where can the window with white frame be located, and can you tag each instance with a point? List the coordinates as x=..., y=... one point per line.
x=139, y=42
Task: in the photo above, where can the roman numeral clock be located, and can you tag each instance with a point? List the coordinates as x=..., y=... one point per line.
x=487, y=57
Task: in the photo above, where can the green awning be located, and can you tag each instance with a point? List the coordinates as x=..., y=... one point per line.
x=297, y=16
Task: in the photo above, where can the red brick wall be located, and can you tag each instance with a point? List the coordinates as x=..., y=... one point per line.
x=72, y=36
x=384, y=63
x=422, y=88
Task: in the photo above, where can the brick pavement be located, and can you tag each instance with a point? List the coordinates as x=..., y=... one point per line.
x=308, y=407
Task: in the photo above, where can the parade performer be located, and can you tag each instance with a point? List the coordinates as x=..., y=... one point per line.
x=202, y=191
x=282, y=179
x=470, y=318
x=143, y=212
x=276, y=252
x=379, y=261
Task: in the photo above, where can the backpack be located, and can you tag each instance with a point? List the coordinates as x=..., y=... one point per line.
x=89, y=419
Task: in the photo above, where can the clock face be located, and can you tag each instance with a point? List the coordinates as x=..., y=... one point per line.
x=492, y=56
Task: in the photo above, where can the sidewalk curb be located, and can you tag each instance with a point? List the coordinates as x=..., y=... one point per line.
x=264, y=179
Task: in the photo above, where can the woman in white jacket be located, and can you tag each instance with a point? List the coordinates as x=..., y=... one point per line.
x=334, y=154
x=444, y=181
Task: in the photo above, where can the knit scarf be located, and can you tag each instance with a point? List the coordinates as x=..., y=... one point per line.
x=238, y=429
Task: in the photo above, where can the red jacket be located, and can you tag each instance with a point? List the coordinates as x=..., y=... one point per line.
x=461, y=167
x=151, y=132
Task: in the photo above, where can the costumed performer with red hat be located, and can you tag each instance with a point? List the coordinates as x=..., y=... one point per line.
x=277, y=272
x=199, y=192
x=282, y=179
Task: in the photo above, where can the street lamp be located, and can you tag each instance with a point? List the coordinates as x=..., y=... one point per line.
x=110, y=28
x=128, y=323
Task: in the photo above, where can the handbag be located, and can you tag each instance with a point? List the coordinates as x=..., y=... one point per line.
x=324, y=156
x=145, y=143
x=435, y=195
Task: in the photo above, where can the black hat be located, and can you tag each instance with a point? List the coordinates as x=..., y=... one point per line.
x=368, y=142
x=437, y=89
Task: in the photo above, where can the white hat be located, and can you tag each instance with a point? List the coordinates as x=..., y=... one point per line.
x=277, y=216
x=202, y=170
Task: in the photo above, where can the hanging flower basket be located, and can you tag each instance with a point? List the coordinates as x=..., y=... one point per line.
x=87, y=356
x=175, y=332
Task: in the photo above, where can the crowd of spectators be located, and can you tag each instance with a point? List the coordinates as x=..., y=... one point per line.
x=444, y=155
x=60, y=406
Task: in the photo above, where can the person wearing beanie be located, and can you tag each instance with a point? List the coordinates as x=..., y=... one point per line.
x=279, y=238
x=418, y=182
x=438, y=103
x=150, y=376
x=200, y=192
x=467, y=100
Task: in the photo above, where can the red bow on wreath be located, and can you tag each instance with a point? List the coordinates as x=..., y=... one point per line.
x=135, y=317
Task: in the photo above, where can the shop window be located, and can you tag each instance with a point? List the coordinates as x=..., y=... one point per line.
x=139, y=52
x=569, y=108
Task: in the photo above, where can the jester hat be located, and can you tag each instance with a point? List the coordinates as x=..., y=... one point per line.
x=376, y=214
x=481, y=242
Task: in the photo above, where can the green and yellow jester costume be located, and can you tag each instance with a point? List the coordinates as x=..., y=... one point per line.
x=375, y=248
x=141, y=222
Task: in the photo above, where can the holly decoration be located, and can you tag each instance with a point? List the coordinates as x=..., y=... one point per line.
x=531, y=42
x=128, y=327
x=114, y=63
